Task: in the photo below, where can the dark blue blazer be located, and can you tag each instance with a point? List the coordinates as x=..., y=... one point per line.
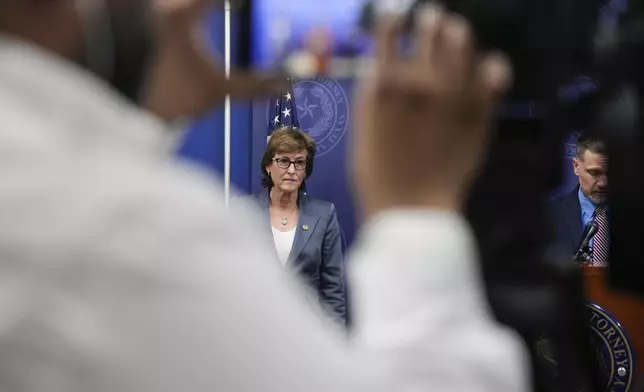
x=316, y=254
x=565, y=214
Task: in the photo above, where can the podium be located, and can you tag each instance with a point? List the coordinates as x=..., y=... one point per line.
x=627, y=310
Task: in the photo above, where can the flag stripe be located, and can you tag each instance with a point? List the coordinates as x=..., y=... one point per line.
x=282, y=110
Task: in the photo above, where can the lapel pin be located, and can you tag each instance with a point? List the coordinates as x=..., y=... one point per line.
x=305, y=227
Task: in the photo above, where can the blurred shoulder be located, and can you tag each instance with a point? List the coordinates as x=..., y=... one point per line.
x=250, y=198
x=253, y=201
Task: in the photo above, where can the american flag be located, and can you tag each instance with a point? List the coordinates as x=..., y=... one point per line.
x=282, y=111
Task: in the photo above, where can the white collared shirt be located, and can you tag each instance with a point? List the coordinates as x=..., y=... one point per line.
x=283, y=243
x=121, y=270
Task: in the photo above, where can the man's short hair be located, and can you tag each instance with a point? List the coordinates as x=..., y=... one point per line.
x=590, y=141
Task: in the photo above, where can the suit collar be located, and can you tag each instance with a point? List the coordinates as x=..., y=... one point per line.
x=306, y=222
x=264, y=199
x=586, y=205
x=305, y=225
x=573, y=216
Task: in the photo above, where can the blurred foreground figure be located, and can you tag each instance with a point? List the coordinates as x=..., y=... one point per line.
x=123, y=271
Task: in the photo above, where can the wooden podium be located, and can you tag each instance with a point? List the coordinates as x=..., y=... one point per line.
x=628, y=310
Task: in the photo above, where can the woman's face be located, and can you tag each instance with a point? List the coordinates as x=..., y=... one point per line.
x=288, y=170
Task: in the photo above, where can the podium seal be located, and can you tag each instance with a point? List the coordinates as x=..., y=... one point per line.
x=613, y=347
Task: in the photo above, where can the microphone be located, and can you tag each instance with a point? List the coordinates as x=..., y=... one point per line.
x=583, y=251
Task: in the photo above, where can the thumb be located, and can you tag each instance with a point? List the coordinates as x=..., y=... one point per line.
x=496, y=75
x=492, y=78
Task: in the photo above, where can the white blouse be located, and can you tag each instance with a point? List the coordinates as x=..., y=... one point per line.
x=283, y=243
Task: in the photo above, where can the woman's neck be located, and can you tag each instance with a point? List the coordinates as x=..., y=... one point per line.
x=283, y=200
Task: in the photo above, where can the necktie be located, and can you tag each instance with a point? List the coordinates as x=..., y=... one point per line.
x=601, y=240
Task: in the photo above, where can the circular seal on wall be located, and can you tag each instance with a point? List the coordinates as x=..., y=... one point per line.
x=613, y=347
x=322, y=111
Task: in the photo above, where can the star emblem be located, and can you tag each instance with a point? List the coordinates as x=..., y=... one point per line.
x=306, y=108
x=277, y=103
x=276, y=120
x=286, y=112
x=288, y=96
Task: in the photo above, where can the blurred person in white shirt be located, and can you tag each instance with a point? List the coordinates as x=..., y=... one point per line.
x=122, y=270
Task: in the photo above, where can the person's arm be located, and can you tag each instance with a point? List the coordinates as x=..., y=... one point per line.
x=421, y=309
x=332, y=279
x=172, y=292
x=217, y=313
x=183, y=295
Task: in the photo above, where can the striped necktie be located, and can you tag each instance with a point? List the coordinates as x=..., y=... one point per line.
x=601, y=241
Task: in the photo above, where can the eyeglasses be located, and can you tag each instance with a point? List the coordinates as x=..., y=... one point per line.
x=285, y=163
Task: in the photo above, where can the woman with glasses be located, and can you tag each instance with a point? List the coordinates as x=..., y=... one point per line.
x=305, y=230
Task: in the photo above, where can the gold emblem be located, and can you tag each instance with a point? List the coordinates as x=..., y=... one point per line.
x=305, y=227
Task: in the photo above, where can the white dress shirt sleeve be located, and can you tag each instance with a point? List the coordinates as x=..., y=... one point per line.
x=420, y=307
x=221, y=315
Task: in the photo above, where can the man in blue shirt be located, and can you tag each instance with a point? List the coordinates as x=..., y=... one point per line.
x=571, y=212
